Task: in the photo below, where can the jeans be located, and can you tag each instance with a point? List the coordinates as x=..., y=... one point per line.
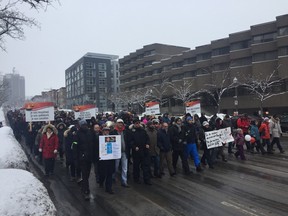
x=155, y=160
x=191, y=149
x=124, y=167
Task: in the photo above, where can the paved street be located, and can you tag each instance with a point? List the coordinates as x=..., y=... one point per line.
x=256, y=187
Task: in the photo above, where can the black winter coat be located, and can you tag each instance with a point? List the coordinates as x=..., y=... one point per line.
x=87, y=145
x=139, y=138
x=163, y=141
x=189, y=133
x=176, y=138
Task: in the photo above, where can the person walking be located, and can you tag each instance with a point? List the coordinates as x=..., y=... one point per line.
x=190, y=139
x=206, y=154
x=122, y=131
x=239, y=141
x=48, y=146
x=178, y=148
x=276, y=132
x=254, y=132
x=264, y=131
x=164, y=144
x=86, y=151
x=140, y=143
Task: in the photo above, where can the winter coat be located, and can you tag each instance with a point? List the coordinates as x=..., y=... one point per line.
x=153, y=148
x=69, y=138
x=86, y=145
x=189, y=134
x=254, y=132
x=275, y=128
x=239, y=139
x=49, y=144
x=163, y=141
x=139, y=138
x=176, y=137
x=243, y=123
x=126, y=140
x=264, y=130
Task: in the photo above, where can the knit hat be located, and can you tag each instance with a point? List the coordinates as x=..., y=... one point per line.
x=205, y=123
x=266, y=119
x=82, y=122
x=189, y=118
x=120, y=121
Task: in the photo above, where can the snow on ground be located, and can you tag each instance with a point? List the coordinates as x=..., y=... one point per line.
x=11, y=153
x=23, y=194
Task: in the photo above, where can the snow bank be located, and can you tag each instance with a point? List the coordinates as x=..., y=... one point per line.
x=2, y=117
x=23, y=194
x=11, y=153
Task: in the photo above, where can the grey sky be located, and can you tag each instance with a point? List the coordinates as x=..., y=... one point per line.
x=70, y=30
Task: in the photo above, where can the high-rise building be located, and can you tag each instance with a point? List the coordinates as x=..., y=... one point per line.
x=14, y=87
x=89, y=80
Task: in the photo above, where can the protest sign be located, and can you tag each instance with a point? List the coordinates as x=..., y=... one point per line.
x=39, y=111
x=109, y=147
x=152, y=108
x=85, y=111
x=193, y=107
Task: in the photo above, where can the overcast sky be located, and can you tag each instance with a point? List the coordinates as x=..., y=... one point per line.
x=73, y=28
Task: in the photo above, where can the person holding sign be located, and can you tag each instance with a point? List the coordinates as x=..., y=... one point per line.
x=48, y=146
x=106, y=167
x=206, y=154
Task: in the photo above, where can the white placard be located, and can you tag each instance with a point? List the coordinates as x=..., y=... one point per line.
x=155, y=109
x=225, y=135
x=219, y=137
x=194, y=108
x=45, y=114
x=212, y=139
x=86, y=114
x=110, y=147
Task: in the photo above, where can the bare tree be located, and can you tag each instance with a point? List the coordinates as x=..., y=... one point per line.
x=160, y=91
x=141, y=97
x=13, y=21
x=183, y=92
x=265, y=87
x=116, y=99
x=216, y=89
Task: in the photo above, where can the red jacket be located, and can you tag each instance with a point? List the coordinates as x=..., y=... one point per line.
x=264, y=130
x=244, y=124
x=49, y=145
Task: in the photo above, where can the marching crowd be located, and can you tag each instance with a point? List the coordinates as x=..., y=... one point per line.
x=148, y=145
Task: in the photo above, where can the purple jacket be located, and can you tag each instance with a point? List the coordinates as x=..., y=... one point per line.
x=239, y=139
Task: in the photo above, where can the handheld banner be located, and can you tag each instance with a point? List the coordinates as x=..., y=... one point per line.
x=110, y=147
x=85, y=111
x=193, y=107
x=152, y=108
x=217, y=138
x=39, y=111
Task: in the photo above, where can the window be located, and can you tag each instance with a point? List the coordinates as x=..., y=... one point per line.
x=102, y=81
x=89, y=89
x=89, y=73
x=102, y=66
x=203, y=56
x=283, y=51
x=190, y=74
x=221, y=66
x=240, y=45
x=265, y=56
x=241, y=62
x=189, y=61
x=283, y=31
x=221, y=51
x=177, y=64
x=89, y=65
x=201, y=71
x=264, y=38
x=90, y=81
x=102, y=74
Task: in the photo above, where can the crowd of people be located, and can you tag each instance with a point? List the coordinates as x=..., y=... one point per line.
x=148, y=144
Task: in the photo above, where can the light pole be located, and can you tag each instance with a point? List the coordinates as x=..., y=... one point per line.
x=235, y=81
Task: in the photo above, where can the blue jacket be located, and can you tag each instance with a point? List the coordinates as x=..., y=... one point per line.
x=254, y=132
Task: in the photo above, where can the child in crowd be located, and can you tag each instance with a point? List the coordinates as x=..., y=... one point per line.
x=240, y=141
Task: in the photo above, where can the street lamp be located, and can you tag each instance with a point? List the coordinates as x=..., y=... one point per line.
x=235, y=81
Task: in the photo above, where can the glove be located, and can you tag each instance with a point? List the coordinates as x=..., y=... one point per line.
x=40, y=150
x=55, y=151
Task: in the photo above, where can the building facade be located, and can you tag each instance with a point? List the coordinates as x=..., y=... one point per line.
x=89, y=80
x=14, y=88
x=246, y=55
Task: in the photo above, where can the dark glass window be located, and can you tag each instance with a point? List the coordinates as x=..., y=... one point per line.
x=265, y=56
x=240, y=45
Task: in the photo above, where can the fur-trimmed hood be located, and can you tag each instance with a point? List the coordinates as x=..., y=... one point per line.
x=50, y=126
x=61, y=123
